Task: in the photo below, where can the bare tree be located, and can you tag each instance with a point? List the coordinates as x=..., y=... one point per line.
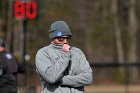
x=1, y=30
x=82, y=11
x=133, y=42
x=18, y=39
x=119, y=46
x=9, y=23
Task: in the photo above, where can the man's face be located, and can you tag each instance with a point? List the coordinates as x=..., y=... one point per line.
x=2, y=49
x=61, y=40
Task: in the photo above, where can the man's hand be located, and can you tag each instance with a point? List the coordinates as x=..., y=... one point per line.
x=66, y=47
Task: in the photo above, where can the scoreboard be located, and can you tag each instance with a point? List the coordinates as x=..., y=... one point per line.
x=25, y=9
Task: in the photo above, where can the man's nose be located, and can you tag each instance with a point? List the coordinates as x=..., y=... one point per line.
x=65, y=41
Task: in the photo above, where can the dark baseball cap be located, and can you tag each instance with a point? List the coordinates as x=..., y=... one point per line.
x=2, y=43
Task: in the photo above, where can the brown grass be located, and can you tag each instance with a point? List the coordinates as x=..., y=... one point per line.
x=113, y=89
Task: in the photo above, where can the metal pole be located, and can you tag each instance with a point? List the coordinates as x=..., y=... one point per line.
x=25, y=50
x=25, y=42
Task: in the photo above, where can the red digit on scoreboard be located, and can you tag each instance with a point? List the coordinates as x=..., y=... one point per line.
x=28, y=9
x=31, y=10
x=19, y=9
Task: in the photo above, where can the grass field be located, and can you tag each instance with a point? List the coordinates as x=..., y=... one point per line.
x=112, y=89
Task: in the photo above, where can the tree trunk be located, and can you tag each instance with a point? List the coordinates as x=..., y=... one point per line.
x=85, y=28
x=119, y=46
x=18, y=39
x=133, y=42
x=1, y=30
x=9, y=25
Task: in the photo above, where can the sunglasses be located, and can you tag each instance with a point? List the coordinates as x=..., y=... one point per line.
x=63, y=38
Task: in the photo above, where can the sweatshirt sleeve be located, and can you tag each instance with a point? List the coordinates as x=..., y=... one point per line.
x=47, y=70
x=81, y=79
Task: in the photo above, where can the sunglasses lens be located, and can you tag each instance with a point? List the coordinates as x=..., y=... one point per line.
x=63, y=38
x=60, y=39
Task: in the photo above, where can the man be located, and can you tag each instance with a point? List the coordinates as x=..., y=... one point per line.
x=62, y=68
x=9, y=68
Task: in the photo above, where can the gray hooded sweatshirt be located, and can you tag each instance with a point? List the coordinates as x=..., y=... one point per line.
x=62, y=72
